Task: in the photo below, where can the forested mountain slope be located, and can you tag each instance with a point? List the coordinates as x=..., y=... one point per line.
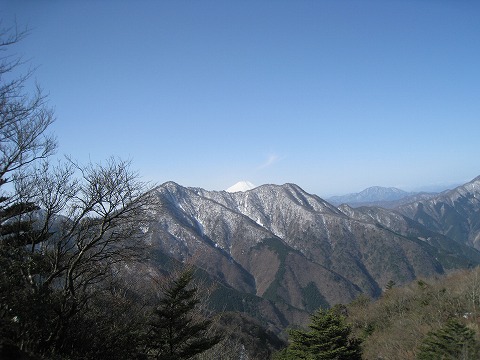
x=293, y=250
x=454, y=213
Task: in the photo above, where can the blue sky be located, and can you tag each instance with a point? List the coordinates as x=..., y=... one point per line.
x=334, y=96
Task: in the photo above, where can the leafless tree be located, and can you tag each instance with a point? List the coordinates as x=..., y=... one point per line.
x=24, y=118
x=89, y=224
x=65, y=229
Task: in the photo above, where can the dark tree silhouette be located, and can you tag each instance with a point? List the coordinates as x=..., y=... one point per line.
x=328, y=339
x=63, y=228
x=451, y=342
x=177, y=329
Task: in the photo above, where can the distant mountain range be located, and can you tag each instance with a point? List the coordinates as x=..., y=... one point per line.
x=389, y=197
x=278, y=252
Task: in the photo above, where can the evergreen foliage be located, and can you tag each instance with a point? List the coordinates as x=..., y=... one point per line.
x=397, y=325
x=328, y=339
x=178, y=330
x=451, y=342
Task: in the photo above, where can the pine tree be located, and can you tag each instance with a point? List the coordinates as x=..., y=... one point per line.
x=18, y=304
x=177, y=330
x=451, y=342
x=328, y=339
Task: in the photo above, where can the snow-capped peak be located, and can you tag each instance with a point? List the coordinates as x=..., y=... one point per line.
x=241, y=186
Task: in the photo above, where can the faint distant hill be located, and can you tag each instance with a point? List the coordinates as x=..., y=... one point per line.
x=386, y=197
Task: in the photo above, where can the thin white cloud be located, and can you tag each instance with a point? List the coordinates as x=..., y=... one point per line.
x=271, y=159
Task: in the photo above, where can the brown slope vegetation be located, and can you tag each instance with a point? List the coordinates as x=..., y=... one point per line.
x=451, y=254
x=289, y=248
x=394, y=326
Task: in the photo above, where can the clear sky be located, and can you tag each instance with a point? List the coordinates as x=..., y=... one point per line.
x=334, y=96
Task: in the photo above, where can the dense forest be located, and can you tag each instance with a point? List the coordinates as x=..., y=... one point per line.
x=69, y=237
x=427, y=319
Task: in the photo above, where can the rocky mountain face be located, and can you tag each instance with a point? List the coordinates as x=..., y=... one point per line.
x=453, y=213
x=450, y=253
x=278, y=252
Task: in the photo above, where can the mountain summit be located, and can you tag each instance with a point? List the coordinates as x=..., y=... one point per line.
x=241, y=186
x=279, y=252
x=370, y=195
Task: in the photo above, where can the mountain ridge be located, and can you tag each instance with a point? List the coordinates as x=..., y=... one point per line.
x=454, y=213
x=294, y=250
x=389, y=197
